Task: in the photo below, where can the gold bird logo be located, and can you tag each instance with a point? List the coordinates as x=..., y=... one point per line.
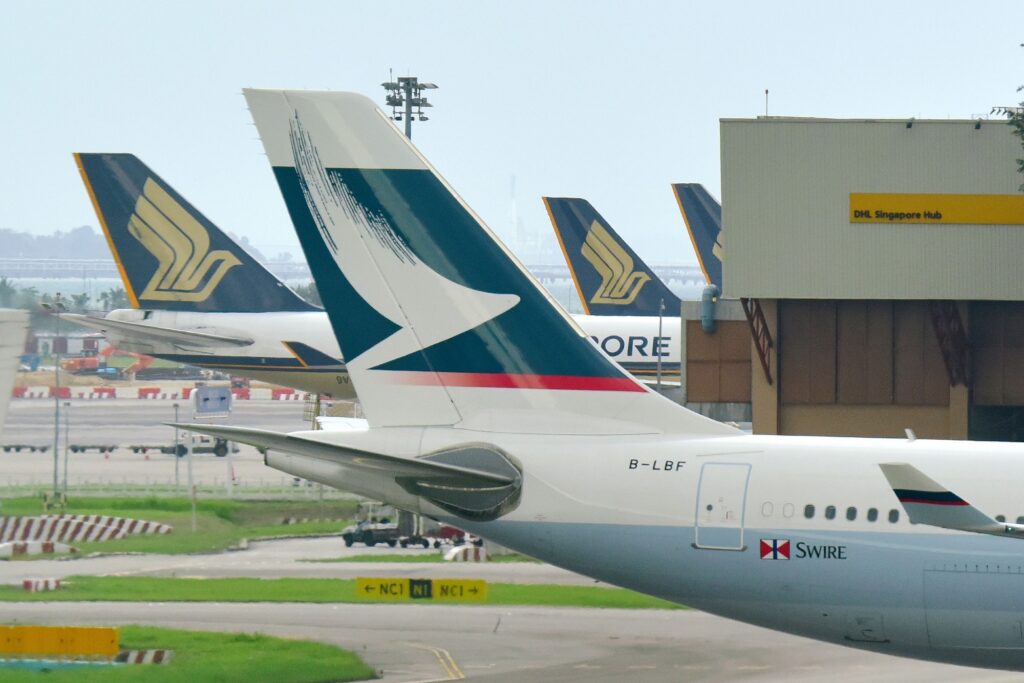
x=181, y=246
x=620, y=284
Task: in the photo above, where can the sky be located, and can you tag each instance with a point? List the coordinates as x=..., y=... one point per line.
x=608, y=101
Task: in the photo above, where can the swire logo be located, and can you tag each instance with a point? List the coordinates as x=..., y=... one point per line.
x=181, y=246
x=620, y=284
x=774, y=548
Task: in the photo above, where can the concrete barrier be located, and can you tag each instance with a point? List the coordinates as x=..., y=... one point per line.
x=144, y=656
x=75, y=528
x=20, y=548
x=60, y=641
x=466, y=553
x=40, y=585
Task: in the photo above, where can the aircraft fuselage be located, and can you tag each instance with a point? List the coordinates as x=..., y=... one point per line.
x=800, y=534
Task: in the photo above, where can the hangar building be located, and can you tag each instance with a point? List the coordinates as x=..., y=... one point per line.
x=881, y=266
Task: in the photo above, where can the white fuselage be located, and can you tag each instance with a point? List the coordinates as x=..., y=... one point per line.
x=684, y=519
x=634, y=342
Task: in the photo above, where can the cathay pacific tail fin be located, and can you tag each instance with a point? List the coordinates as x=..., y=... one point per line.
x=703, y=217
x=610, y=278
x=169, y=254
x=439, y=324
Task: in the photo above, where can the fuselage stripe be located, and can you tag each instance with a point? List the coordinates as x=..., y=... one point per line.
x=929, y=497
x=501, y=380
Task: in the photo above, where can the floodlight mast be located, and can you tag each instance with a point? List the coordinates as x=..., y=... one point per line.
x=403, y=96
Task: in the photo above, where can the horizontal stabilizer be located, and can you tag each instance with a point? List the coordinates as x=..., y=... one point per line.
x=472, y=481
x=168, y=335
x=928, y=502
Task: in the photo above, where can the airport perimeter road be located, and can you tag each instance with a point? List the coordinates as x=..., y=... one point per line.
x=286, y=558
x=127, y=421
x=134, y=422
x=504, y=645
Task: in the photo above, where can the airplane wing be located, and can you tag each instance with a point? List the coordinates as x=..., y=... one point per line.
x=163, y=334
x=928, y=502
x=472, y=482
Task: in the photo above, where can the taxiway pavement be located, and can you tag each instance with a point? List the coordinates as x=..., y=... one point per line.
x=419, y=643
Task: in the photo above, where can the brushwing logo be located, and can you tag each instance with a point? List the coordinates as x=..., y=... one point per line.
x=620, y=284
x=382, y=268
x=181, y=246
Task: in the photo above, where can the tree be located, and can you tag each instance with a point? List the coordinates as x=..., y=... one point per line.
x=1017, y=123
x=8, y=292
x=80, y=302
x=113, y=298
x=1016, y=116
x=28, y=298
x=309, y=292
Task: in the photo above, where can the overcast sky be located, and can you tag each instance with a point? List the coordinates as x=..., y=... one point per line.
x=608, y=101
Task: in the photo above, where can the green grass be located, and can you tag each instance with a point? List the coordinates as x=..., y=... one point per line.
x=220, y=523
x=425, y=557
x=224, y=657
x=161, y=589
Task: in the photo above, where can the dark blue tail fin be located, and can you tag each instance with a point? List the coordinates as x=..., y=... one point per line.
x=610, y=278
x=170, y=256
x=703, y=217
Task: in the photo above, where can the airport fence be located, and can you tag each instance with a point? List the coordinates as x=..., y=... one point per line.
x=283, y=488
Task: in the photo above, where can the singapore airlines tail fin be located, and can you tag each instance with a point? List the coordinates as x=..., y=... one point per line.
x=928, y=502
x=169, y=254
x=439, y=324
x=610, y=278
x=703, y=217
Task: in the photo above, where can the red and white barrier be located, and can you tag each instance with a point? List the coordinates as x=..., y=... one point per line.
x=466, y=553
x=144, y=656
x=155, y=393
x=40, y=585
x=20, y=548
x=75, y=528
x=123, y=525
x=290, y=397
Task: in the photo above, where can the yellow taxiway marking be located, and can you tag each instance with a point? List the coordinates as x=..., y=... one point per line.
x=444, y=658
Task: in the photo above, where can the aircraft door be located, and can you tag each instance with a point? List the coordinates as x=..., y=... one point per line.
x=721, y=501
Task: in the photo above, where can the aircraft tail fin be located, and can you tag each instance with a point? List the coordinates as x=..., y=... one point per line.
x=928, y=502
x=609, y=276
x=439, y=324
x=169, y=254
x=703, y=217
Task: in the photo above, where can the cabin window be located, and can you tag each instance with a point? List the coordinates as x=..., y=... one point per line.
x=809, y=511
x=1020, y=520
x=830, y=512
x=787, y=510
x=872, y=515
x=767, y=509
x=894, y=516
x=851, y=513
x=1000, y=518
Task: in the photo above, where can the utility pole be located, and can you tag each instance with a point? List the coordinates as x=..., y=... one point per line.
x=657, y=351
x=177, y=455
x=403, y=96
x=57, y=307
x=67, y=440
